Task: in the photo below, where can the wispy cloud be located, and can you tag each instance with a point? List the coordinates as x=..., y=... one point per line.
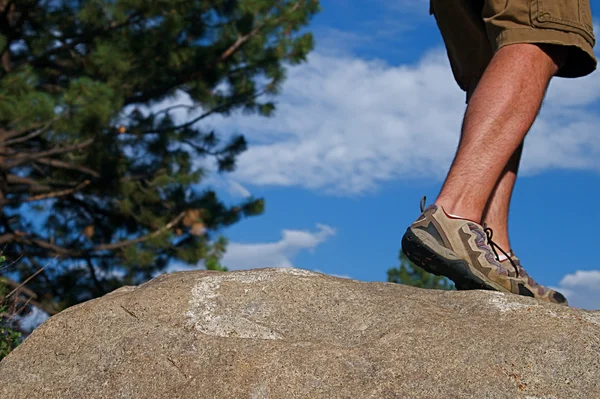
x=223, y=183
x=275, y=254
x=582, y=289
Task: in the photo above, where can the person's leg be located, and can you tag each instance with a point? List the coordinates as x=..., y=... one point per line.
x=528, y=44
x=499, y=115
x=447, y=239
x=495, y=214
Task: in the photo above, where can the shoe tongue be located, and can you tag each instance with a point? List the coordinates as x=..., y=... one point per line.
x=508, y=266
x=503, y=258
x=430, y=208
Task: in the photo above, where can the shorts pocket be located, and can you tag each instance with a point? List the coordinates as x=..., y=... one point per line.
x=573, y=16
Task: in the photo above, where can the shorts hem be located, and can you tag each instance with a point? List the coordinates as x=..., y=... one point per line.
x=580, y=61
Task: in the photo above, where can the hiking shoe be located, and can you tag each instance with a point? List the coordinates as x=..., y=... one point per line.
x=457, y=249
x=540, y=292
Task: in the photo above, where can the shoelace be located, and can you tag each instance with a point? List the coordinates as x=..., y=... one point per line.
x=490, y=233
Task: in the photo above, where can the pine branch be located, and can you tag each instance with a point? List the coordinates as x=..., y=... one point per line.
x=33, y=184
x=92, y=270
x=7, y=267
x=14, y=284
x=23, y=158
x=41, y=197
x=28, y=279
x=23, y=307
x=64, y=165
x=73, y=253
x=31, y=300
x=237, y=44
x=202, y=150
x=29, y=136
x=34, y=263
x=243, y=39
x=124, y=243
x=6, y=238
x=172, y=107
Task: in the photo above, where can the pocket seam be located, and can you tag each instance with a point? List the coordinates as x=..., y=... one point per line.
x=540, y=15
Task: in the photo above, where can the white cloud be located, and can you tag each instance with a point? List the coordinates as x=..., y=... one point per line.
x=345, y=125
x=275, y=254
x=582, y=289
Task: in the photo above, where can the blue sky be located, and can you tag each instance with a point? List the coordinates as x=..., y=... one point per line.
x=370, y=124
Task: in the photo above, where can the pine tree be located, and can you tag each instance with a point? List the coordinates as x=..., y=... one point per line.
x=410, y=274
x=9, y=334
x=101, y=182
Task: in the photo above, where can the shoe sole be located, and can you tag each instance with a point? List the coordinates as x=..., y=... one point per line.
x=464, y=276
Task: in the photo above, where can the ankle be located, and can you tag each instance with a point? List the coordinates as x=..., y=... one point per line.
x=455, y=211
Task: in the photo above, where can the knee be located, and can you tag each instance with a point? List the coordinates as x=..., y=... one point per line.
x=550, y=57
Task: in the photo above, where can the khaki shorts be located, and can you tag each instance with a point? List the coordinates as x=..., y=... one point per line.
x=473, y=30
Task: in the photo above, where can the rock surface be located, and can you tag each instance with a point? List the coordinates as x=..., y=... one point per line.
x=291, y=333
